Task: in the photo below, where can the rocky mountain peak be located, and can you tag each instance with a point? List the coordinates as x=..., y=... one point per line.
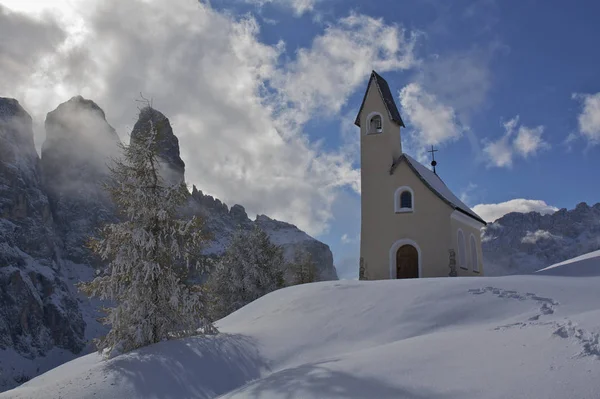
x=16, y=135
x=23, y=205
x=79, y=119
x=78, y=137
x=37, y=311
x=209, y=202
x=10, y=108
x=167, y=144
x=525, y=242
x=238, y=212
x=79, y=146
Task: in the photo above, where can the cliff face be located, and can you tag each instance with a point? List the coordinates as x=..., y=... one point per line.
x=223, y=223
x=79, y=147
x=49, y=207
x=292, y=239
x=37, y=310
x=519, y=243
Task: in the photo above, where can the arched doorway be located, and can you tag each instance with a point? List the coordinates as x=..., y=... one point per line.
x=407, y=262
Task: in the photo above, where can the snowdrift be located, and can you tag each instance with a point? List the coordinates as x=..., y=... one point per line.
x=582, y=266
x=502, y=337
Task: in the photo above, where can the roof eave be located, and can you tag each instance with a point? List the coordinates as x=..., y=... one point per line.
x=471, y=216
x=416, y=172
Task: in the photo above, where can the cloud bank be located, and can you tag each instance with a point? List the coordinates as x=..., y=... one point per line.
x=238, y=105
x=493, y=212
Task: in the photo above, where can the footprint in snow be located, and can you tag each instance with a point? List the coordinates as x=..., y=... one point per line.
x=589, y=341
x=546, y=305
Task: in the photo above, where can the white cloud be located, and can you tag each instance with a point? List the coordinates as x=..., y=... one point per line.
x=492, y=212
x=429, y=121
x=236, y=105
x=568, y=142
x=445, y=92
x=35, y=9
x=499, y=152
x=322, y=77
x=528, y=141
x=346, y=239
x=25, y=40
x=460, y=80
x=589, y=118
x=532, y=237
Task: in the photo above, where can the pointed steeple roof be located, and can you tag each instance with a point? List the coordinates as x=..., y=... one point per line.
x=386, y=95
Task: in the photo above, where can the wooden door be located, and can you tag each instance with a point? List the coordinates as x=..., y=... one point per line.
x=407, y=262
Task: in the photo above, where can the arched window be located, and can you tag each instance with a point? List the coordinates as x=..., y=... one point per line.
x=474, y=257
x=375, y=124
x=462, y=250
x=404, y=200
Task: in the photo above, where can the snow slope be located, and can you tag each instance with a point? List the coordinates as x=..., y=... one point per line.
x=581, y=266
x=496, y=337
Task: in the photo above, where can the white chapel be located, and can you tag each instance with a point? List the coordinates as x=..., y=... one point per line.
x=412, y=225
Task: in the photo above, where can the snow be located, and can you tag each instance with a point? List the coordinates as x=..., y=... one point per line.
x=439, y=186
x=581, y=266
x=528, y=336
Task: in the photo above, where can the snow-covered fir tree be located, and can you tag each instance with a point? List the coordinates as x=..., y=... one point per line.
x=149, y=254
x=303, y=269
x=251, y=267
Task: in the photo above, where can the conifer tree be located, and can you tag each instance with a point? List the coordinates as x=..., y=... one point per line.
x=304, y=269
x=250, y=268
x=149, y=253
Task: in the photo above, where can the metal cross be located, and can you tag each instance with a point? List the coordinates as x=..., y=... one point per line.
x=433, y=162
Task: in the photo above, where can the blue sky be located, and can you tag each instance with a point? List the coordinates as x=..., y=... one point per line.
x=263, y=93
x=533, y=55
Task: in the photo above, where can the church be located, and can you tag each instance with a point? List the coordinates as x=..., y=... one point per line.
x=412, y=225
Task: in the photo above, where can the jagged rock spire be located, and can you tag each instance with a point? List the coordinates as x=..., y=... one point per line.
x=166, y=142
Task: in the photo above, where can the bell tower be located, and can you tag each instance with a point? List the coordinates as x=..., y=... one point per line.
x=380, y=145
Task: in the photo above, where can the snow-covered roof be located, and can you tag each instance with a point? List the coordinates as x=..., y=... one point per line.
x=436, y=185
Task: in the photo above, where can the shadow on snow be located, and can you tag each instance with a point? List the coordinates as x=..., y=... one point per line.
x=199, y=367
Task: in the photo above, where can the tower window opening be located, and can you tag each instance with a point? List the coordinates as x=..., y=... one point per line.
x=375, y=124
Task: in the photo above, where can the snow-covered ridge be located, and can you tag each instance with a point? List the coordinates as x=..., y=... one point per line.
x=581, y=266
x=534, y=337
x=521, y=243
